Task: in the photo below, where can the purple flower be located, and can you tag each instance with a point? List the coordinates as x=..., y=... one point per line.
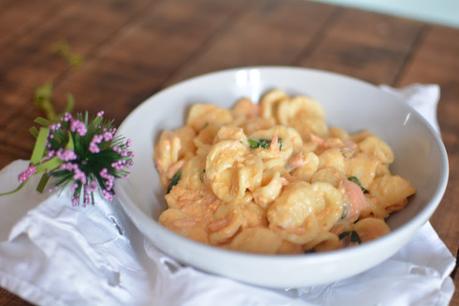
x=67, y=117
x=107, y=195
x=96, y=140
x=27, y=173
x=78, y=175
x=78, y=126
x=100, y=114
x=108, y=136
x=66, y=155
x=54, y=127
x=109, y=179
x=92, y=186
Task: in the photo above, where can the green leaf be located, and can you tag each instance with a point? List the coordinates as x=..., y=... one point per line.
x=42, y=121
x=33, y=131
x=43, y=99
x=40, y=146
x=174, y=181
x=70, y=144
x=43, y=181
x=13, y=191
x=356, y=180
x=49, y=165
x=70, y=103
x=62, y=48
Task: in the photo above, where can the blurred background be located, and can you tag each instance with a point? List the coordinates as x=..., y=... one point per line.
x=439, y=11
x=113, y=54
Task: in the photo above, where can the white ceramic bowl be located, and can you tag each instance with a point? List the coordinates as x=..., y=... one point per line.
x=350, y=104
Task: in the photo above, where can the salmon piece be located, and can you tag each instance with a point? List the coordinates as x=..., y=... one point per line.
x=357, y=200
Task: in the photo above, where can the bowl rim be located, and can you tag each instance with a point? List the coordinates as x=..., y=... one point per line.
x=416, y=222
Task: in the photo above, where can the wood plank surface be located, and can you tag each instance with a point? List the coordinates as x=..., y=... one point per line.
x=133, y=48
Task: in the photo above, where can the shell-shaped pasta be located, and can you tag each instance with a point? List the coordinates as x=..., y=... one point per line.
x=186, y=135
x=308, y=125
x=300, y=106
x=309, y=167
x=254, y=215
x=206, y=136
x=360, y=135
x=391, y=190
x=289, y=142
x=328, y=175
x=330, y=209
x=375, y=147
x=371, y=228
x=254, y=124
x=230, y=133
x=299, y=235
x=332, y=158
x=226, y=222
x=231, y=170
x=222, y=156
x=296, y=202
x=288, y=247
x=268, y=191
x=193, y=172
x=167, y=152
x=182, y=224
x=201, y=115
x=339, y=133
x=257, y=240
x=376, y=209
x=199, y=203
x=382, y=169
x=244, y=108
x=270, y=101
x=324, y=241
x=363, y=167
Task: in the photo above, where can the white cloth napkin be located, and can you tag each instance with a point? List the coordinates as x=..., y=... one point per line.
x=54, y=254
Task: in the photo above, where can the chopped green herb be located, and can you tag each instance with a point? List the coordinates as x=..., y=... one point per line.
x=253, y=144
x=174, y=181
x=353, y=236
x=356, y=180
x=262, y=143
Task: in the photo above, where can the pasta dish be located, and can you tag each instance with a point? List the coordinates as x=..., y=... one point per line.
x=272, y=177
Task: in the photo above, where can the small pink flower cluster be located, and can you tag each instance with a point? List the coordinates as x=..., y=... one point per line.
x=99, y=138
x=78, y=175
x=92, y=165
x=27, y=173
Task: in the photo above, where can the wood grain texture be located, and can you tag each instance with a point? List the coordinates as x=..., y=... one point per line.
x=135, y=63
x=132, y=48
x=366, y=45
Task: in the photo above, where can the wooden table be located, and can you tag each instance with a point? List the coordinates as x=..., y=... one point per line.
x=133, y=48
